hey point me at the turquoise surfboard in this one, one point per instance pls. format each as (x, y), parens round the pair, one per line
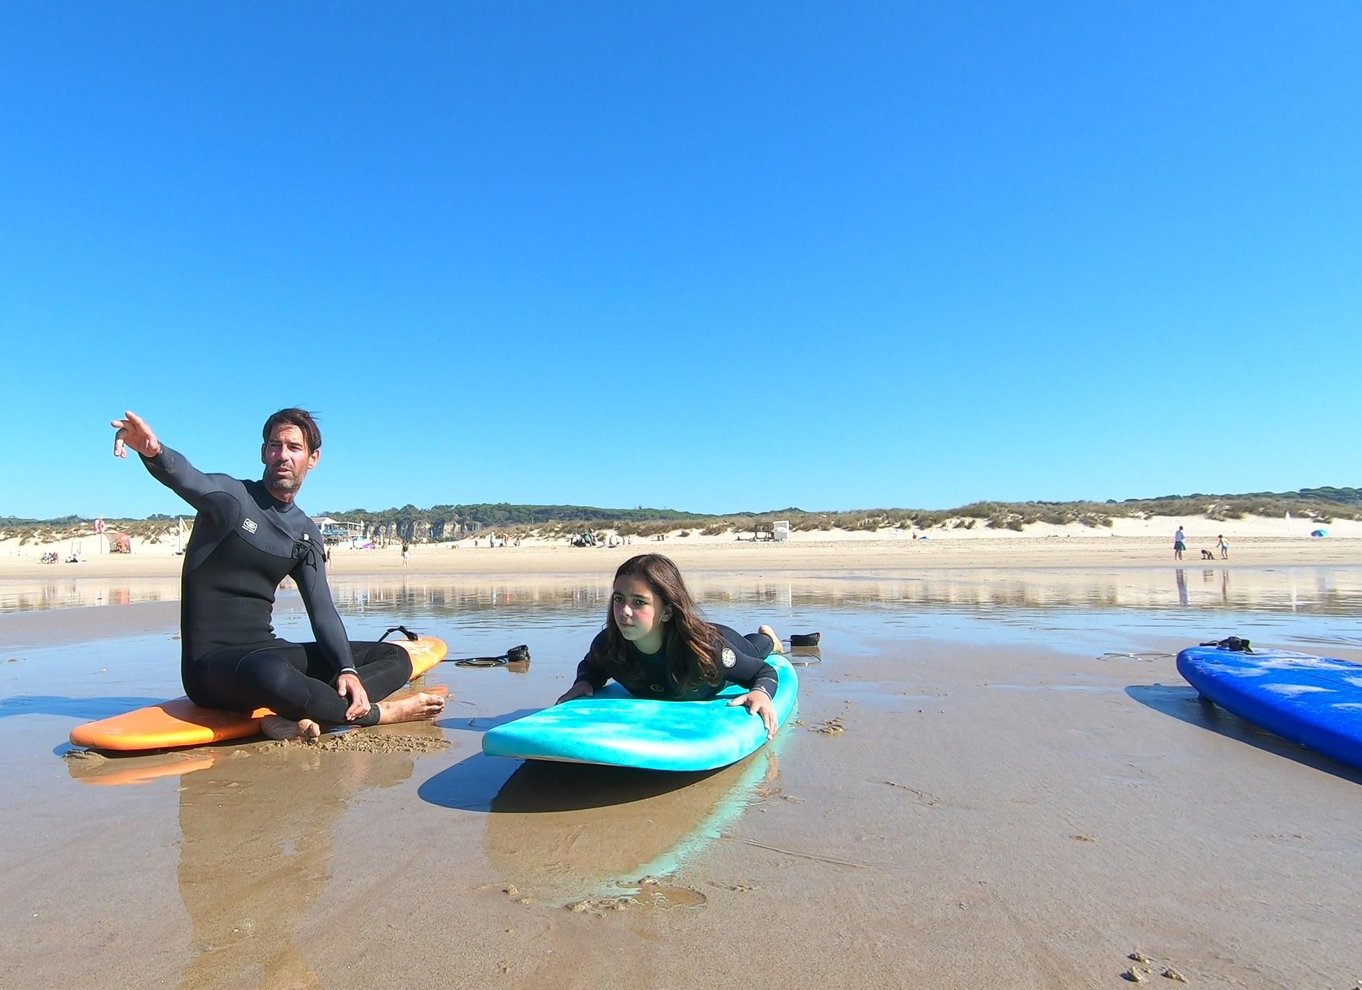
(613, 728)
(1313, 701)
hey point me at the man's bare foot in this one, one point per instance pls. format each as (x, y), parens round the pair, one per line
(414, 708)
(278, 727)
(770, 633)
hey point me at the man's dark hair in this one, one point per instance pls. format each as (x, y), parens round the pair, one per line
(300, 418)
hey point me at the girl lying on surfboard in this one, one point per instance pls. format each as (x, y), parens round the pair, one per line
(657, 646)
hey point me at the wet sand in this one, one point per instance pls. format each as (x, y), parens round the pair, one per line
(940, 813)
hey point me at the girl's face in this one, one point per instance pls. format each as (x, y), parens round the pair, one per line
(639, 614)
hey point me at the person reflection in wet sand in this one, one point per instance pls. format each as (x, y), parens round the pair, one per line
(252, 867)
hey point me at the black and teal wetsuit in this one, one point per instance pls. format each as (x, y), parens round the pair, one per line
(742, 659)
(245, 542)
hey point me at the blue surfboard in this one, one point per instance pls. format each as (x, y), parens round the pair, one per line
(1315, 702)
(614, 728)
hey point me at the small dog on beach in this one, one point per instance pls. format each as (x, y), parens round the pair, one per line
(1207, 555)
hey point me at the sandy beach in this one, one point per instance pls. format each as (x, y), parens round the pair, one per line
(995, 777)
(1254, 541)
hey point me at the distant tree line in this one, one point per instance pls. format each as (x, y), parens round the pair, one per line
(452, 522)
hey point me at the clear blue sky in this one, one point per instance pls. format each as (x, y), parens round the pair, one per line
(708, 256)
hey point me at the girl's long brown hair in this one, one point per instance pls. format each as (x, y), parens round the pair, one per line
(690, 643)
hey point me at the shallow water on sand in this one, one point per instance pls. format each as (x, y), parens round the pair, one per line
(76, 592)
(1070, 611)
(1307, 608)
(588, 836)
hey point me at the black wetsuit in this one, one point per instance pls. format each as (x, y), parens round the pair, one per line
(742, 660)
(245, 542)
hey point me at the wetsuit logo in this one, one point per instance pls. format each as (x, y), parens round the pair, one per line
(728, 658)
(249, 525)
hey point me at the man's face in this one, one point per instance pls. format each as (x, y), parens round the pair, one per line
(287, 461)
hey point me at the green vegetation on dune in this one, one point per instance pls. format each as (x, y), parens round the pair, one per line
(450, 522)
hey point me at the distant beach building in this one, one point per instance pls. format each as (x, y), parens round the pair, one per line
(780, 530)
(338, 530)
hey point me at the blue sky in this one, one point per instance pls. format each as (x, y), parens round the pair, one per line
(708, 256)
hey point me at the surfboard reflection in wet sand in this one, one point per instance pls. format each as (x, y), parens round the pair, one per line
(562, 832)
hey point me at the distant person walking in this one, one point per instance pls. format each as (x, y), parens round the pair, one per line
(406, 553)
(1224, 547)
(1179, 543)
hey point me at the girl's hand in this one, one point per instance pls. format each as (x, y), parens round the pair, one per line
(579, 690)
(757, 703)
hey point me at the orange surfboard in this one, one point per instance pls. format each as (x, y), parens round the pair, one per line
(173, 724)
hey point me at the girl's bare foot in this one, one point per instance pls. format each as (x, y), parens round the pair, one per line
(422, 705)
(770, 634)
(278, 727)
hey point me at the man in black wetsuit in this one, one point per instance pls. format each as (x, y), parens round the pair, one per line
(248, 536)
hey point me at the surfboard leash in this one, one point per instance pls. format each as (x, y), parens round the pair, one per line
(516, 654)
